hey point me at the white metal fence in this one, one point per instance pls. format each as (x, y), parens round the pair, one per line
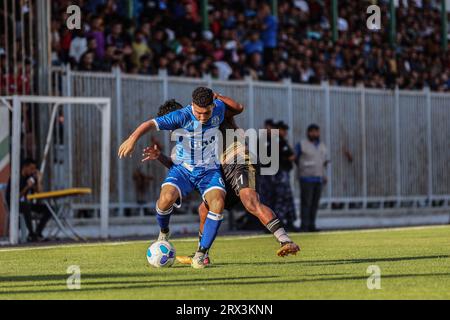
(400, 140)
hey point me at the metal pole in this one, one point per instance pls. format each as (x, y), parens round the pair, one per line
(165, 79)
(429, 146)
(364, 143)
(444, 25)
(334, 20)
(44, 46)
(397, 146)
(328, 134)
(251, 103)
(118, 74)
(105, 170)
(392, 24)
(22, 48)
(290, 101)
(49, 138)
(14, 45)
(69, 130)
(15, 172)
(31, 48)
(5, 7)
(204, 12)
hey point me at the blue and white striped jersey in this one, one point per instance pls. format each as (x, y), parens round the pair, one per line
(196, 143)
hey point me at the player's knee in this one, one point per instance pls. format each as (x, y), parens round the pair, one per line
(216, 204)
(167, 199)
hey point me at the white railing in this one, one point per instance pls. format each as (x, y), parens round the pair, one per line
(399, 139)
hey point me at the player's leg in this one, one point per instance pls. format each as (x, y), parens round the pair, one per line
(243, 180)
(176, 186)
(164, 208)
(250, 200)
(212, 187)
(216, 202)
(203, 214)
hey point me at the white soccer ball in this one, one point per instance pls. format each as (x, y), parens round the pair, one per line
(161, 254)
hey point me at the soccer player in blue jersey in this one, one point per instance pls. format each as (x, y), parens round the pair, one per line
(197, 165)
(240, 181)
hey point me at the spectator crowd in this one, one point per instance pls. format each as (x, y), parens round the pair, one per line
(245, 39)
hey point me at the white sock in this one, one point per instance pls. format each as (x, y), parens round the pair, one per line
(282, 236)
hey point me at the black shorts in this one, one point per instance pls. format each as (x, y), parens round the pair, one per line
(238, 177)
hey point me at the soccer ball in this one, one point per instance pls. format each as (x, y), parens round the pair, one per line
(161, 254)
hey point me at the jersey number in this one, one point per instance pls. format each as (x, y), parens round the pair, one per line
(241, 179)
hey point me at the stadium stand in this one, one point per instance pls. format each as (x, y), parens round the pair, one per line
(142, 37)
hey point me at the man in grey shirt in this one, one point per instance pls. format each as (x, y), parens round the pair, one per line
(312, 160)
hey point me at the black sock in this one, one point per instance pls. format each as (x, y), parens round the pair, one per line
(274, 225)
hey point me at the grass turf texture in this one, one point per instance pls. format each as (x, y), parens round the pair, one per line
(415, 264)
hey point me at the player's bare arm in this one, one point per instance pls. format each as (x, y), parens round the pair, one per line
(154, 153)
(127, 147)
(233, 107)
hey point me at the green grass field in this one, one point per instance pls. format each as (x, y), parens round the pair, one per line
(415, 264)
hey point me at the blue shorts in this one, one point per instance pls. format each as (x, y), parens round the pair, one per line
(186, 181)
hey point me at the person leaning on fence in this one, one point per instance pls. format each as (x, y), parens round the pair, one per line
(281, 189)
(30, 182)
(312, 160)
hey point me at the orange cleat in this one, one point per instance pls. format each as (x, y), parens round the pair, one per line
(288, 249)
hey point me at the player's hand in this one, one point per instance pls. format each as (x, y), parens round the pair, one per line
(38, 175)
(151, 153)
(31, 182)
(127, 148)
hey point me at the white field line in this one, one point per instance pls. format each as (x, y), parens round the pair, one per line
(226, 238)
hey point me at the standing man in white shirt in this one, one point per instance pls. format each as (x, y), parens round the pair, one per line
(312, 160)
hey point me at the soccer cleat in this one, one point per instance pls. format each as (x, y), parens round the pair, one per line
(164, 236)
(198, 261)
(188, 259)
(287, 249)
(185, 259)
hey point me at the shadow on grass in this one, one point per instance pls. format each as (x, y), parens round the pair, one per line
(63, 277)
(334, 262)
(61, 281)
(196, 283)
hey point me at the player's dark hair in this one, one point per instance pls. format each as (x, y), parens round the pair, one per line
(203, 97)
(169, 107)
